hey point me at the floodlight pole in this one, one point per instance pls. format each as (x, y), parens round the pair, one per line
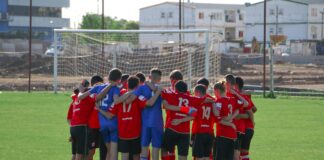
(264, 46)
(30, 43)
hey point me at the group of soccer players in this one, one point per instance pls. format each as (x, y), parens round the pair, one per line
(125, 115)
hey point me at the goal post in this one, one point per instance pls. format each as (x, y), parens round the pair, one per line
(80, 54)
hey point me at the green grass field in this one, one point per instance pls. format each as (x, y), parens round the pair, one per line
(33, 126)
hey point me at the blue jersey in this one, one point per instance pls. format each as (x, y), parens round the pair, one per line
(105, 104)
(152, 115)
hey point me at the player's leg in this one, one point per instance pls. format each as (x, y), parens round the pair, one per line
(136, 148)
(73, 142)
(237, 146)
(246, 144)
(197, 147)
(113, 145)
(168, 144)
(102, 148)
(105, 134)
(208, 145)
(124, 147)
(81, 140)
(145, 141)
(228, 151)
(93, 142)
(183, 146)
(157, 136)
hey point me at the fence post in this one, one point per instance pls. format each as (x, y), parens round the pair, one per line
(207, 54)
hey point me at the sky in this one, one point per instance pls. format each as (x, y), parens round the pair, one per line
(126, 9)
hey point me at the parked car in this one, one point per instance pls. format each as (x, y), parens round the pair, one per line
(50, 50)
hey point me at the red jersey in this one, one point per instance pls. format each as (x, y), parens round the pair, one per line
(70, 112)
(204, 120)
(225, 108)
(129, 118)
(82, 110)
(248, 122)
(94, 119)
(179, 99)
(238, 105)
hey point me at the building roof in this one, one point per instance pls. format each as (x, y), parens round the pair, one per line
(305, 2)
(202, 5)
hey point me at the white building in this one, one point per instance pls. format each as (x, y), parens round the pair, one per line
(227, 20)
(315, 19)
(292, 19)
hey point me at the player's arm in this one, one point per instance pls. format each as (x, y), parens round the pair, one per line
(81, 96)
(243, 116)
(245, 102)
(227, 123)
(106, 114)
(119, 99)
(176, 122)
(153, 99)
(216, 110)
(235, 114)
(104, 92)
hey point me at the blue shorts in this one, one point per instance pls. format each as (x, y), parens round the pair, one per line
(152, 134)
(109, 135)
(108, 129)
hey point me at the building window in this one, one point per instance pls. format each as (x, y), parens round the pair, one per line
(241, 17)
(314, 32)
(272, 12)
(230, 16)
(201, 15)
(37, 11)
(281, 12)
(314, 12)
(219, 16)
(241, 34)
(280, 30)
(162, 15)
(271, 30)
(170, 15)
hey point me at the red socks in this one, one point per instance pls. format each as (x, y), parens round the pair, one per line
(245, 156)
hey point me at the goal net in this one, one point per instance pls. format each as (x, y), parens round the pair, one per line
(80, 54)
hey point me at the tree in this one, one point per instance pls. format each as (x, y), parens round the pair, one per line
(93, 21)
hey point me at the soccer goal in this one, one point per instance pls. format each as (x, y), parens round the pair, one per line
(81, 54)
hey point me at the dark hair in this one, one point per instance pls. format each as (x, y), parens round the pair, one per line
(176, 75)
(95, 79)
(203, 81)
(239, 82)
(230, 79)
(140, 76)
(156, 71)
(201, 88)
(124, 77)
(76, 91)
(115, 74)
(133, 82)
(219, 86)
(181, 86)
(85, 83)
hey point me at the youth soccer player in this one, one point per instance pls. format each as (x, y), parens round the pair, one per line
(240, 104)
(249, 120)
(74, 97)
(202, 127)
(107, 94)
(152, 120)
(177, 132)
(81, 113)
(225, 128)
(95, 138)
(129, 121)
